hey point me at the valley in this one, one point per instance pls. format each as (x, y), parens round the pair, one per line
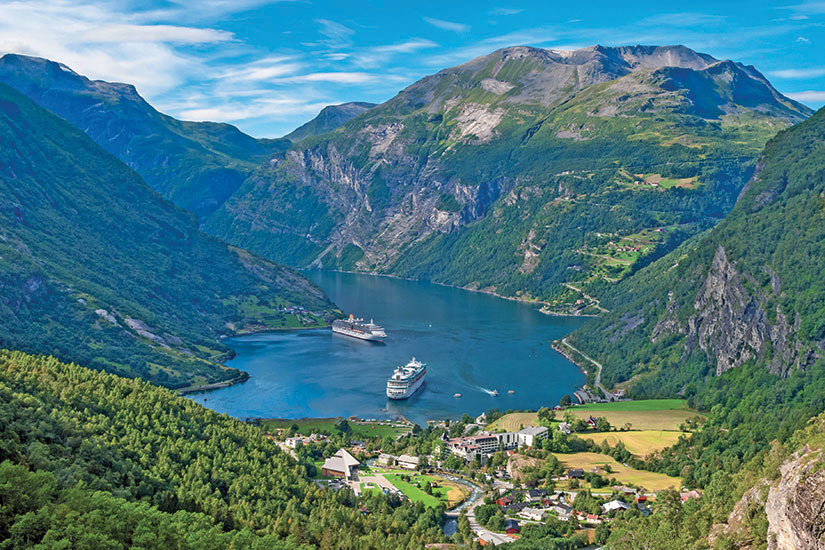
(609, 259)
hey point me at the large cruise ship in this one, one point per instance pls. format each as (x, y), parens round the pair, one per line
(406, 380)
(357, 328)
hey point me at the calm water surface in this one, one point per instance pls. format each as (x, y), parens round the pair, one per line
(473, 343)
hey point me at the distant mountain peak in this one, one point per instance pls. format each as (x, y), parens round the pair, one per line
(330, 118)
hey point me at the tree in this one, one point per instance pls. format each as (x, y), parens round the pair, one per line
(566, 400)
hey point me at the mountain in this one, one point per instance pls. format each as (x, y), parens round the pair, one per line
(196, 165)
(92, 460)
(98, 268)
(526, 172)
(330, 118)
(748, 293)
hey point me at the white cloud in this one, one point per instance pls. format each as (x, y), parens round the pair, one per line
(338, 35)
(812, 96)
(505, 11)
(799, 73)
(447, 25)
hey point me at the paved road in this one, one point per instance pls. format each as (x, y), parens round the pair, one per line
(598, 368)
(481, 531)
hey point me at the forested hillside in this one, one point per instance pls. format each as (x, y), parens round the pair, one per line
(92, 460)
(99, 269)
(527, 172)
(748, 292)
(196, 165)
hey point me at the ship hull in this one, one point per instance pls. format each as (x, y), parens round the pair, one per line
(355, 334)
(414, 387)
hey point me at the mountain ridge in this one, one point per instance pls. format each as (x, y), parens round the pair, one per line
(434, 167)
(197, 165)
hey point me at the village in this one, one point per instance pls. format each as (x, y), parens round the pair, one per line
(502, 474)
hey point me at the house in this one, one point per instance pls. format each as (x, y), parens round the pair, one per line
(615, 505)
(565, 428)
(563, 511)
(528, 436)
(408, 462)
(516, 507)
(341, 464)
(591, 422)
(536, 494)
(504, 501)
(511, 527)
(558, 408)
(575, 473)
(385, 459)
(295, 442)
(481, 419)
(686, 496)
(592, 518)
(534, 514)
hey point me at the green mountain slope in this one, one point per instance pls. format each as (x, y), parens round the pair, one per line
(92, 460)
(196, 165)
(97, 268)
(330, 118)
(748, 292)
(520, 172)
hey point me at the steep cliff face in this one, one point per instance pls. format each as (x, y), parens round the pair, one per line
(574, 152)
(748, 291)
(795, 506)
(731, 325)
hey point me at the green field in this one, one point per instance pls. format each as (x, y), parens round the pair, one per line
(640, 405)
(440, 494)
(307, 426)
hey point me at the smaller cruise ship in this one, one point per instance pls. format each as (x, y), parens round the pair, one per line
(357, 328)
(406, 380)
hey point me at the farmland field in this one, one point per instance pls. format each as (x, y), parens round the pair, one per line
(651, 481)
(648, 414)
(640, 443)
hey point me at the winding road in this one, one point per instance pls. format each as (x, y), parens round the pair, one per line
(598, 367)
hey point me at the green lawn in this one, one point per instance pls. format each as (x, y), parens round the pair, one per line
(640, 405)
(415, 494)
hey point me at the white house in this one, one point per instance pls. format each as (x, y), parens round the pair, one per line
(408, 462)
(535, 514)
(615, 505)
(527, 437)
(385, 459)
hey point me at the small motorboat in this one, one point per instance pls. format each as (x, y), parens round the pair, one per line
(511, 392)
(456, 395)
(494, 393)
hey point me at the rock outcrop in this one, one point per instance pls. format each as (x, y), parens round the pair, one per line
(795, 506)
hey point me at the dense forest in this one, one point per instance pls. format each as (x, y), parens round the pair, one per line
(91, 460)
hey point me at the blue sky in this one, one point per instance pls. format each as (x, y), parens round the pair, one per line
(269, 66)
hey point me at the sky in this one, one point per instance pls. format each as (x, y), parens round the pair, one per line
(268, 66)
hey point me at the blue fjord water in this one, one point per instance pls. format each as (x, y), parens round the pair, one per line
(473, 343)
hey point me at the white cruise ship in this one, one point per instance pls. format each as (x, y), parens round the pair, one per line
(357, 328)
(406, 380)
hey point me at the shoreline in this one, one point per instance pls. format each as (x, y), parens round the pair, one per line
(536, 301)
(215, 385)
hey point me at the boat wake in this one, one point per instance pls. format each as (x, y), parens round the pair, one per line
(489, 392)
